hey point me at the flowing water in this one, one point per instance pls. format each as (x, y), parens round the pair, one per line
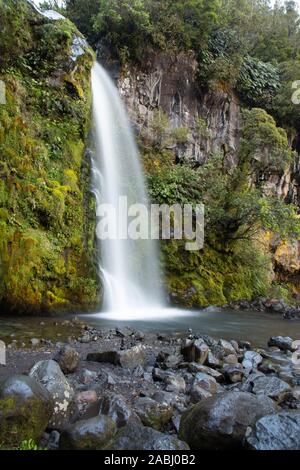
(129, 268)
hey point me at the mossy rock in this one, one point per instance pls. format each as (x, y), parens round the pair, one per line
(25, 410)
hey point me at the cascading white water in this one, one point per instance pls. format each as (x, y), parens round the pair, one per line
(129, 267)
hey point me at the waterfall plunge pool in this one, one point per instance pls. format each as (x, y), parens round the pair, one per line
(256, 327)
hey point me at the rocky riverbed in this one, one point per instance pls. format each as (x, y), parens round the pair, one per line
(122, 389)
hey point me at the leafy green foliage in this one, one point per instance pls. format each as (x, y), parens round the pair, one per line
(258, 82)
(29, 445)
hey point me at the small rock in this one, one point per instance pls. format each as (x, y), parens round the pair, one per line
(68, 359)
(251, 360)
(194, 367)
(233, 373)
(88, 376)
(35, 341)
(152, 413)
(128, 358)
(89, 434)
(227, 347)
(88, 396)
(230, 359)
(116, 408)
(284, 343)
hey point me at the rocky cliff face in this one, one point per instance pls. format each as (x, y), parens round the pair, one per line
(169, 83)
(213, 121)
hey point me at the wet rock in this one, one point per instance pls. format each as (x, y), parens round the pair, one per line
(88, 434)
(137, 437)
(230, 359)
(25, 410)
(195, 351)
(194, 367)
(220, 422)
(244, 345)
(251, 360)
(115, 406)
(152, 413)
(68, 359)
(227, 347)
(128, 358)
(284, 343)
(124, 332)
(204, 386)
(212, 360)
(88, 396)
(175, 383)
(233, 373)
(270, 386)
(168, 361)
(53, 441)
(279, 431)
(50, 375)
(88, 376)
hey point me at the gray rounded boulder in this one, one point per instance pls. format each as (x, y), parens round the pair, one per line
(220, 422)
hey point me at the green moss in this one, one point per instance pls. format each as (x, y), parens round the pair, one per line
(20, 423)
(46, 210)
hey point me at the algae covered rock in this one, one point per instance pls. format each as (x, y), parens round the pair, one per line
(152, 413)
(25, 410)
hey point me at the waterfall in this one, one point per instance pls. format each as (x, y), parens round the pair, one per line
(129, 268)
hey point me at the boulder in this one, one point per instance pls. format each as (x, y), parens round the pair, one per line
(279, 431)
(50, 375)
(152, 413)
(68, 359)
(282, 342)
(88, 434)
(128, 358)
(137, 437)
(116, 408)
(25, 410)
(220, 422)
